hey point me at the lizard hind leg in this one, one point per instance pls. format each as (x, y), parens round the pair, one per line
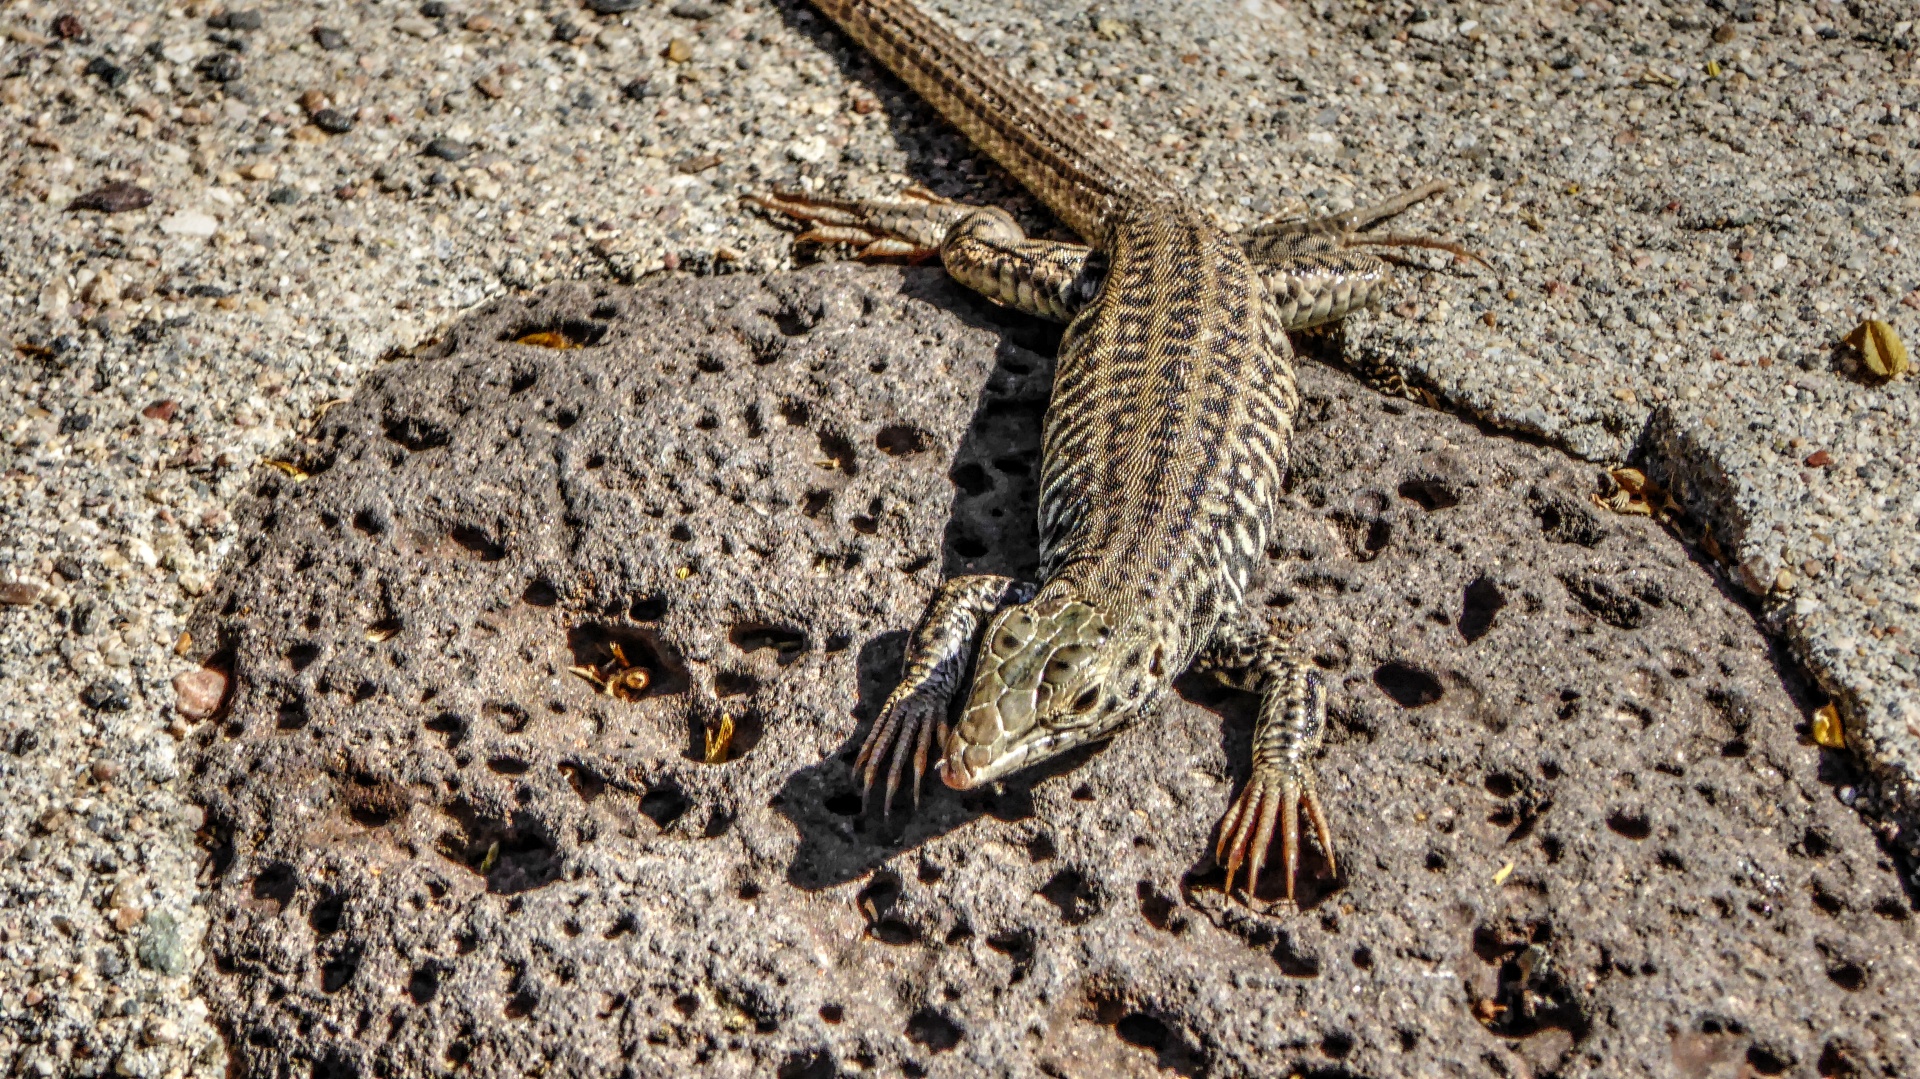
(1281, 787)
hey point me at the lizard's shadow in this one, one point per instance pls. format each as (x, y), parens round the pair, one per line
(992, 527)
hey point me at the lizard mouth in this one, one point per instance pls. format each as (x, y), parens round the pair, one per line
(967, 766)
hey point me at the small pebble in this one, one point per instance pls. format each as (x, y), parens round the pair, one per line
(679, 50)
(19, 593)
(237, 20)
(313, 101)
(160, 946)
(447, 149)
(220, 67)
(68, 27)
(107, 71)
(114, 198)
(106, 695)
(283, 196)
(614, 7)
(329, 38)
(200, 692)
(333, 121)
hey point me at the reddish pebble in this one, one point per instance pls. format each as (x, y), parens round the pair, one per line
(1818, 459)
(161, 410)
(125, 918)
(201, 692)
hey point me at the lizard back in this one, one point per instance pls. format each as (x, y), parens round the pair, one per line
(1165, 441)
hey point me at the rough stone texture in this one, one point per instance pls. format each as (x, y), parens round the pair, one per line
(162, 364)
(1582, 830)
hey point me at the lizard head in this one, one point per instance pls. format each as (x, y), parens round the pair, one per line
(1052, 674)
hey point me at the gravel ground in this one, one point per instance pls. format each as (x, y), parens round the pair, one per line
(1685, 209)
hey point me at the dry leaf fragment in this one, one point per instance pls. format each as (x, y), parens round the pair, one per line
(1500, 875)
(493, 855)
(292, 470)
(1885, 354)
(548, 339)
(720, 739)
(1826, 728)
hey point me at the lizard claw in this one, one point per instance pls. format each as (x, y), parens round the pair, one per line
(1247, 830)
(905, 731)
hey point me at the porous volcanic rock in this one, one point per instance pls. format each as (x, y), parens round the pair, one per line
(1581, 828)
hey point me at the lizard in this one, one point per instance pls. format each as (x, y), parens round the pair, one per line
(1164, 446)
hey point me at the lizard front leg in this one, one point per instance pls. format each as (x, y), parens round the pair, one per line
(981, 246)
(914, 718)
(1293, 721)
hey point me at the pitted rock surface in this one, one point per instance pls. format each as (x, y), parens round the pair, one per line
(1581, 828)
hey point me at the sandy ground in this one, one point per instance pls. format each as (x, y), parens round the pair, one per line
(1685, 212)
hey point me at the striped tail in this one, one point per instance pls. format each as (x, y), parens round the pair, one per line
(1081, 177)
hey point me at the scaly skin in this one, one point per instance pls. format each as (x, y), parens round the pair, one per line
(1164, 444)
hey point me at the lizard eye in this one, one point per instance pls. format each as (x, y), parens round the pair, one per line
(1085, 702)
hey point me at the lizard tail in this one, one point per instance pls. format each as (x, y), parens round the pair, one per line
(1082, 177)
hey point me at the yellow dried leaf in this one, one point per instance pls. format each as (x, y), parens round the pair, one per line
(288, 467)
(548, 339)
(377, 634)
(1826, 728)
(1500, 875)
(683, 572)
(184, 645)
(1713, 69)
(1885, 354)
(628, 685)
(493, 855)
(720, 739)
(1631, 480)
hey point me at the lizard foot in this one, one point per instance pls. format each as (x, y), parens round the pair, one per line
(912, 226)
(913, 723)
(1279, 790)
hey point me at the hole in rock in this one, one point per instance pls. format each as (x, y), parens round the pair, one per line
(627, 662)
(326, 915)
(832, 1013)
(664, 805)
(1632, 825)
(274, 885)
(477, 543)
(564, 334)
(513, 856)
(796, 413)
(417, 434)
(837, 454)
(972, 479)
(901, 440)
(541, 593)
(787, 643)
(724, 737)
(845, 804)
(1073, 894)
(1409, 686)
(1479, 607)
(302, 655)
(424, 985)
(1849, 976)
(291, 715)
(338, 972)
(369, 522)
(1430, 493)
(935, 1031)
